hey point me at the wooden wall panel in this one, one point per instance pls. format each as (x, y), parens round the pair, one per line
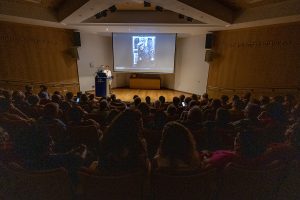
(36, 55)
(262, 60)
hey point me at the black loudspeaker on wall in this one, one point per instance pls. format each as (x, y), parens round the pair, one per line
(209, 41)
(76, 39)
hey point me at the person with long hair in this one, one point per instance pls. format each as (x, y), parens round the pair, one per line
(177, 150)
(123, 148)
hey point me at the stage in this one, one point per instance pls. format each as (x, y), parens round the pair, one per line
(127, 94)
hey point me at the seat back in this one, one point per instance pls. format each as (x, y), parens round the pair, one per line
(87, 135)
(34, 185)
(289, 188)
(153, 138)
(125, 187)
(243, 183)
(181, 187)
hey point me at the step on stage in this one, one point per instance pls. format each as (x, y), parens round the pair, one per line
(127, 94)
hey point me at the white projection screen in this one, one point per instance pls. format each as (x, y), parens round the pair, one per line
(144, 52)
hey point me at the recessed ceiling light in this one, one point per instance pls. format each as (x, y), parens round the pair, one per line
(106, 29)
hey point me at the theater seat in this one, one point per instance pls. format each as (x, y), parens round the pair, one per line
(153, 138)
(249, 184)
(124, 187)
(182, 187)
(289, 189)
(20, 184)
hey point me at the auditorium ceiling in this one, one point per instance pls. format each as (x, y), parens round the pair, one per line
(180, 16)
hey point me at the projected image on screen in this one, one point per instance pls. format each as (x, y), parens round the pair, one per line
(144, 52)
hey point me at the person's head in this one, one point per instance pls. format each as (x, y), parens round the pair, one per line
(57, 92)
(157, 104)
(124, 132)
(176, 101)
(144, 109)
(18, 96)
(7, 94)
(84, 98)
(113, 97)
(295, 112)
(162, 99)
(238, 105)
(182, 97)
(293, 135)
(195, 114)
(43, 95)
(135, 96)
(137, 101)
(216, 103)
(275, 111)
(148, 100)
(195, 97)
(289, 98)
(177, 143)
(160, 119)
(65, 106)
(79, 94)
(204, 96)
(103, 105)
(76, 114)
(50, 110)
(4, 104)
(29, 88)
(278, 99)
(252, 111)
(224, 99)
(171, 109)
(192, 103)
(255, 101)
(69, 96)
(249, 143)
(187, 100)
(222, 116)
(264, 100)
(43, 88)
(56, 99)
(33, 100)
(91, 97)
(235, 98)
(247, 96)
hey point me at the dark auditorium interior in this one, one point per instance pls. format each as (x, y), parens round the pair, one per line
(149, 100)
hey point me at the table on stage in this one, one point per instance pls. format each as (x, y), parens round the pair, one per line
(144, 83)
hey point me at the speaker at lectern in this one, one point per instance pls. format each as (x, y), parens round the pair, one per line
(101, 84)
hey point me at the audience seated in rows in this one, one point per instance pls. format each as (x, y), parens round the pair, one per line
(187, 134)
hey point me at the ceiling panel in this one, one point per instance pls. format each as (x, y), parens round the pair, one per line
(43, 3)
(245, 4)
(127, 6)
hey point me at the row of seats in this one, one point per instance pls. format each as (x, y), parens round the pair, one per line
(234, 183)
